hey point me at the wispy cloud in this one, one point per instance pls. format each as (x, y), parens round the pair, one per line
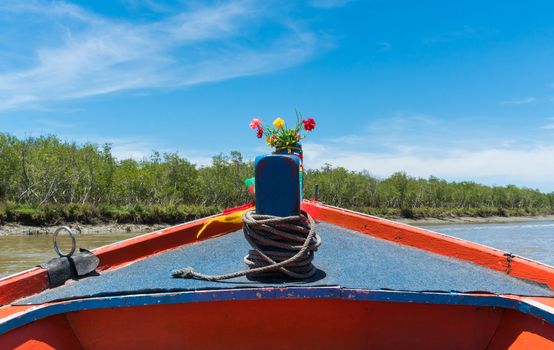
(384, 46)
(130, 148)
(390, 131)
(448, 36)
(83, 54)
(328, 3)
(140, 148)
(519, 101)
(350, 139)
(55, 123)
(522, 166)
(549, 126)
(454, 148)
(133, 147)
(152, 5)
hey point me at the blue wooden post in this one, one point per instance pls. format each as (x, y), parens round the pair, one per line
(278, 189)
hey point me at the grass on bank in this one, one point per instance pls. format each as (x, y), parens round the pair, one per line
(55, 214)
(422, 213)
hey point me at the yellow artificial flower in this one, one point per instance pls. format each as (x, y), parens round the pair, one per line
(279, 123)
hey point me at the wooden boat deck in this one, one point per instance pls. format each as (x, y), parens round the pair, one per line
(347, 259)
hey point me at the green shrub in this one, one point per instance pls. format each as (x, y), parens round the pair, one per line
(47, 181)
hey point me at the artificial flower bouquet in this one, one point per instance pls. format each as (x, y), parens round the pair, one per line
(282, 138)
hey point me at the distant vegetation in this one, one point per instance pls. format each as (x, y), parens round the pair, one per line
(44, 180)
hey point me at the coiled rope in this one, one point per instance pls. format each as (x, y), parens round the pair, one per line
(280, 245)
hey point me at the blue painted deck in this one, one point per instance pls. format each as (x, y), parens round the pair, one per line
(346, 258)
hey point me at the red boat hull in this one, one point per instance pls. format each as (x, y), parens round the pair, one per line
(288, 323)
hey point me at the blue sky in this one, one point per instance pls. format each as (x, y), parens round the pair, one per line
(460, 90)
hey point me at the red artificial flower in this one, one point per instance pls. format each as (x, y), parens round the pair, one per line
(309, 124)
(260, 132)
(255, 123)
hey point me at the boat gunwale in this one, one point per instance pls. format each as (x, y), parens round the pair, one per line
(125, 252)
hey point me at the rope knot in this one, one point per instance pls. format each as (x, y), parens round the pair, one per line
(187, 272)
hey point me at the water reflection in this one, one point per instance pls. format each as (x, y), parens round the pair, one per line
(19, 253)
(534, 240)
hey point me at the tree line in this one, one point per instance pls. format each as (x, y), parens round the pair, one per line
(45, 180)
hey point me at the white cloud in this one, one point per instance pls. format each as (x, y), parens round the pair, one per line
(457, 149)
(445, 37)
(141, 148)
(328, 3)
(520, 101)
(56, 123)
(82, 54)
(549, 126)
(136, 148)
(384, 46)
(522, 166)
(350, 139)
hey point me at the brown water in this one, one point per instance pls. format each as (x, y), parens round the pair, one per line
(18, 253)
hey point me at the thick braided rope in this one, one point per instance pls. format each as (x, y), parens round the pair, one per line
(283, 245)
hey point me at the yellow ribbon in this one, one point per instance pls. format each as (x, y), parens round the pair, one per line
(232, 218)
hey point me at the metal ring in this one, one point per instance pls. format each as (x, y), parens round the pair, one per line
(73, 241)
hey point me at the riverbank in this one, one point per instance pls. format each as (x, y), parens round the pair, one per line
(103, 228)
(115, 228)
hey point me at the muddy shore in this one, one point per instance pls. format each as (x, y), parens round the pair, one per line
(17, 229)
(473, 220)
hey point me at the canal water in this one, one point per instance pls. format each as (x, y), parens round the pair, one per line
(531, 239)
(20, 252)
(534, 239)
